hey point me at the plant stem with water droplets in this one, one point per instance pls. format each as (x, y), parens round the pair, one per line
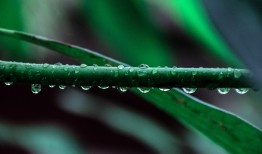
(121, 76)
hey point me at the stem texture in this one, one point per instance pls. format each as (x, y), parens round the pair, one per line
(121, 76)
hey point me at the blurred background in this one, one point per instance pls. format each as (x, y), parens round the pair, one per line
(182, 33)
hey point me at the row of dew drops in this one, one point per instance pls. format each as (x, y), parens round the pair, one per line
(36, 88)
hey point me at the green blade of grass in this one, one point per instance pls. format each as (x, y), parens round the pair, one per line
(227, 130)
(195, 21)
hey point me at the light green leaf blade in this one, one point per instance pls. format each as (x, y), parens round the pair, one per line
(191, 14)
(227, 130)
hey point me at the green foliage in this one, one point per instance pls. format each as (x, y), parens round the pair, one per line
(224, 128)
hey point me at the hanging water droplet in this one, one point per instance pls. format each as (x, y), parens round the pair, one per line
(8, 83)
(164, 89)
(143, 66)
(189, 90)
(143, 89)
(237, 74)
(103, 87)
(242, 90)
(86, 87)
(45, 65)
(51, 86)
(83, 65)
(62, 86)
(120, 67)
(223, 90)
(36, 88)
(122, 89)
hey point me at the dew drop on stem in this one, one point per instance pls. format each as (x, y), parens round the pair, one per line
(36, 88)
(164, 89)
(8, 83)
(189, 90)
(103, 87)
(62, 86)
(242, 90)
(122, 89)
(86, 87)
(83, 65)
(144, 89)
(51, 86)
(120, 67)
(223, 90)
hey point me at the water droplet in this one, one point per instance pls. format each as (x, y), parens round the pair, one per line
(143, 89)
(51, 86)
(122, 89)
(189, 90)
(229, 69)
(58, 63)
(62, 86)
(242, 90)
(45, 65)
(103, 87)
(154, 71)
(83, 65)
(120, 67)
(173, 71)
(86, 87)
(143, 66)
(131, 70)
(108, 65)
(36, 88)
(95, 67)
(237, 74)
(164, 89)
(8, 83)
(223, 90)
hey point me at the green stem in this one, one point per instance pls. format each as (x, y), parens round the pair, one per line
(124, 76)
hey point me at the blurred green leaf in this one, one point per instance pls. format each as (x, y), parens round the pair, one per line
(125, 26)
(11, 17)
(40, 139)
(195, 20)
(134, 124)
(224, 128)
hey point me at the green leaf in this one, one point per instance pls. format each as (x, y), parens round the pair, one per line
(195, 21)
(11, 18)
(128, 29)
(227, 130)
